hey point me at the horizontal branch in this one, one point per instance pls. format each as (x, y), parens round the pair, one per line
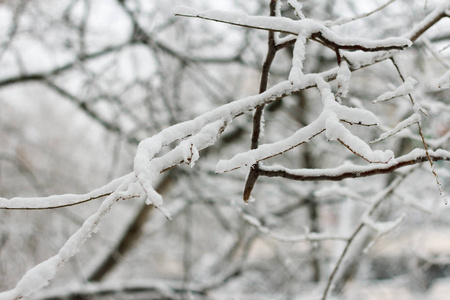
(58, 201)
(314, 29)
(354, 171)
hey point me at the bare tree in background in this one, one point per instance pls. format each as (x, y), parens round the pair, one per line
(300, 149)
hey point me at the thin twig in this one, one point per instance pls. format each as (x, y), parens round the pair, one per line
(361, 16)
(419, 125)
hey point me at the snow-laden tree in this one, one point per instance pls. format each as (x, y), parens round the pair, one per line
(316, 178)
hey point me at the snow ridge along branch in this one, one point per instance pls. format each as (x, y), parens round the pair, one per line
(285, 25)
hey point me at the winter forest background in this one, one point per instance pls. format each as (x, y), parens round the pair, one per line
(290, 149)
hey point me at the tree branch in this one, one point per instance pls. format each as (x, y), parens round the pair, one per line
(354, 171)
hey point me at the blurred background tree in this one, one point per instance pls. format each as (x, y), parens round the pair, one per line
(82, 82)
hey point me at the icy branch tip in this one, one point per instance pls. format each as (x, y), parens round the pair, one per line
(182, 10)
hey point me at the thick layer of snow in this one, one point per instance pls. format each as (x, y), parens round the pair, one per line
(299, 53)
(343, 79)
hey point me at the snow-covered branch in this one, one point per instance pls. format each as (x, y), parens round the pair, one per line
(40, 275)
(313, 29)
(183, 142)
(57, 201)
(355, 171)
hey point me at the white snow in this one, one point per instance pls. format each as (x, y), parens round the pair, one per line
(383, 228)
(265, 151)
(40, 275)
(404, 89)
(296, 72)
(337, 131)
(335, 190)
(411, 120)
(343, 79)
(295, 27)
(61, 200)
(297, 8)
(328, 120)
(359, 169)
